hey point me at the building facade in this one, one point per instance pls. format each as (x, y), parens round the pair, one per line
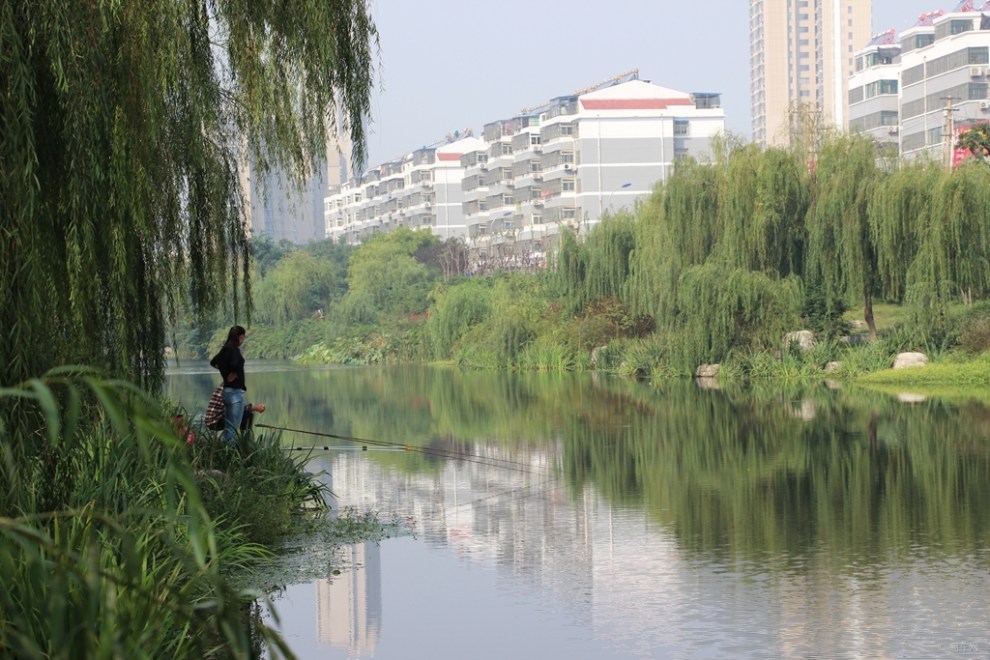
(801, 56)
(915, 92)
(421, 190)
(874, 96)
(945, 70)
(567, 162)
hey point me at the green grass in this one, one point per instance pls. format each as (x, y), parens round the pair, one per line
(887, 316)
(954, 370)
(115, 543)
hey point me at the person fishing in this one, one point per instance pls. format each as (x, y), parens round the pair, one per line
(230, 363)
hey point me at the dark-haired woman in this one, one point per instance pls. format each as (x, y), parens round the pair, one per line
(230, 362)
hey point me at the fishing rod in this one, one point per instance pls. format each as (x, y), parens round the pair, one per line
(428, 451)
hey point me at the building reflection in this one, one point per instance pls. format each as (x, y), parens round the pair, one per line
(349, 607)
(613, 570)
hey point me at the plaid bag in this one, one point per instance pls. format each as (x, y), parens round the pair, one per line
(214, 411)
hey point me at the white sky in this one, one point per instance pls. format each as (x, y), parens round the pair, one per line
(453, 64)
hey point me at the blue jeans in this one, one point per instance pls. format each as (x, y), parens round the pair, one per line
(233, 410)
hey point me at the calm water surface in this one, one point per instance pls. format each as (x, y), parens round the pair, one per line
(575, 516)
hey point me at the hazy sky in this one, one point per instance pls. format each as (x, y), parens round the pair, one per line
(449, 64)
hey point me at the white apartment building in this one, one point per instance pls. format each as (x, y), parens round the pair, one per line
(945, 70)
(917, 91)
(422, 190)
(874, 91)
(567, 162)
(577, 158)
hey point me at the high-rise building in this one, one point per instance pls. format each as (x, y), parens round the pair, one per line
(284, 210)
(801, 55)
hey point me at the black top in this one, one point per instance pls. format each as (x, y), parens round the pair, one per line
(230, 361)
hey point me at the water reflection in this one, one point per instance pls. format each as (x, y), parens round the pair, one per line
(349, 607)
(600, 518)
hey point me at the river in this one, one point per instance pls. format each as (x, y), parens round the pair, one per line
(586, 516)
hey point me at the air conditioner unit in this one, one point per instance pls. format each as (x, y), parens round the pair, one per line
(893, 130)
(977, 71)
(984, 105)
(567, 166)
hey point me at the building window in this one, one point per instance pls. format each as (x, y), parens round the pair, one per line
(913, 75)
(958, 27)
(681, 126)
(567, 185)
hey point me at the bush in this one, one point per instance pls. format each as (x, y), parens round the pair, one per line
(973, 329)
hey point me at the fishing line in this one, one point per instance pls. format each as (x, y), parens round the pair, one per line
(532, 487)
(439, 453)
(518, 491)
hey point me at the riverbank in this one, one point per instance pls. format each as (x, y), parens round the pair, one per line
(118, 535)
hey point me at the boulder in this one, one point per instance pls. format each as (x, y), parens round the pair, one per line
(706, 371)
(804, 338)
(907, 360)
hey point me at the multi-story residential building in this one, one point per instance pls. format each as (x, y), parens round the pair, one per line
(566, 162)
(579, 157)
(801, 54)
(873, 91)
(422, 190)
(945, 71)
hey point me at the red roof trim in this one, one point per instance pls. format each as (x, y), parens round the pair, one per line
(632, 104)
(446, 155)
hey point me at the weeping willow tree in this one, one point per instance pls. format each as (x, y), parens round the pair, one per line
(678, 228)
(952, 262)
(765, 200)
(124, 127)
(841, 254)
(598, 268)
(723, 309)
(899, 212)
(571, 265)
